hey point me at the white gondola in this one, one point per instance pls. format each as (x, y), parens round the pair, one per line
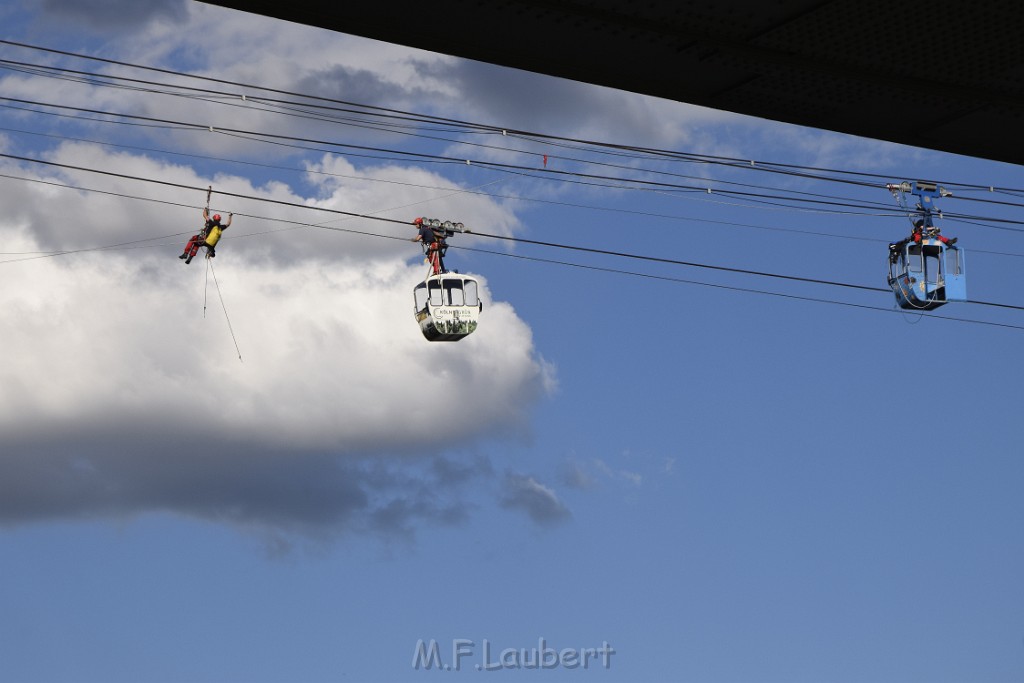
(448, 306)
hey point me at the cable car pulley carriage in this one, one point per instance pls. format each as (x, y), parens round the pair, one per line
(447, 304)
(925, 270)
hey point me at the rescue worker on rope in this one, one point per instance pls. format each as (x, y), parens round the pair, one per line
(207, 237)
(434, 245)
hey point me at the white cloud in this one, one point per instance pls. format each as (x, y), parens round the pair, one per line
(110, 366)
(332, 354)
(109, 361)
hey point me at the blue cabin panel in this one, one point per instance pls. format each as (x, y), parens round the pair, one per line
(928, 275)
(956, 275)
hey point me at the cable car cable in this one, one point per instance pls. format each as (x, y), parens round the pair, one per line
(433, 187)
(715, 267)
(732, 161)
(464, 191)
(492, 146)
(445, 159)
(499, 237)
(450, 140)
(734, 288)
(379, 127)
(424, 156)
(491, 164)
(504, 196)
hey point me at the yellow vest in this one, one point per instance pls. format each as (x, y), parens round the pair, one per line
(213, 236)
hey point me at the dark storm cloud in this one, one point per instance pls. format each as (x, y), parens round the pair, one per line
(311, 494)
(519, 96)
(115, 15)
(521, 492)
(491, 94)
(355, 85)
(524, 100)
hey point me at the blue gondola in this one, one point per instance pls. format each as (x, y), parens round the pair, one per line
(925, 270)
(447, 306)
(928, 275)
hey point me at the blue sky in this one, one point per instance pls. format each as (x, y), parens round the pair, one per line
(720, 484)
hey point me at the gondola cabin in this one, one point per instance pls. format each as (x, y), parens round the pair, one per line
(927, 275)
(448, 306)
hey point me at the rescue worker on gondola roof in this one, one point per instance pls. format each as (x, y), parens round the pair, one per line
(433, 241)
(916, 236)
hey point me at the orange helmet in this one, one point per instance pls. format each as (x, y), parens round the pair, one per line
(418, 221)
(216, 218)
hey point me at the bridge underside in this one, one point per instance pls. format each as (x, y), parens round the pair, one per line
(946, 75)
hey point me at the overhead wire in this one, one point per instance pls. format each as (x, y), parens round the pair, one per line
(221, 95)
(517, 197)
(201, 94)
(711, 184)
(735, 162)
(538, 137)
(591, 250)
(674, 187)
(604, 269)
(733, 288)
(749, 196)
(449, 140)
(520, 198)
(572, 176)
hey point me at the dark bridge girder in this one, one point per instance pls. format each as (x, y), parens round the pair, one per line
(946, 75)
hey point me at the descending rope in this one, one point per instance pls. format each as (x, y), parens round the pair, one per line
(223, 306)
(206, 285)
